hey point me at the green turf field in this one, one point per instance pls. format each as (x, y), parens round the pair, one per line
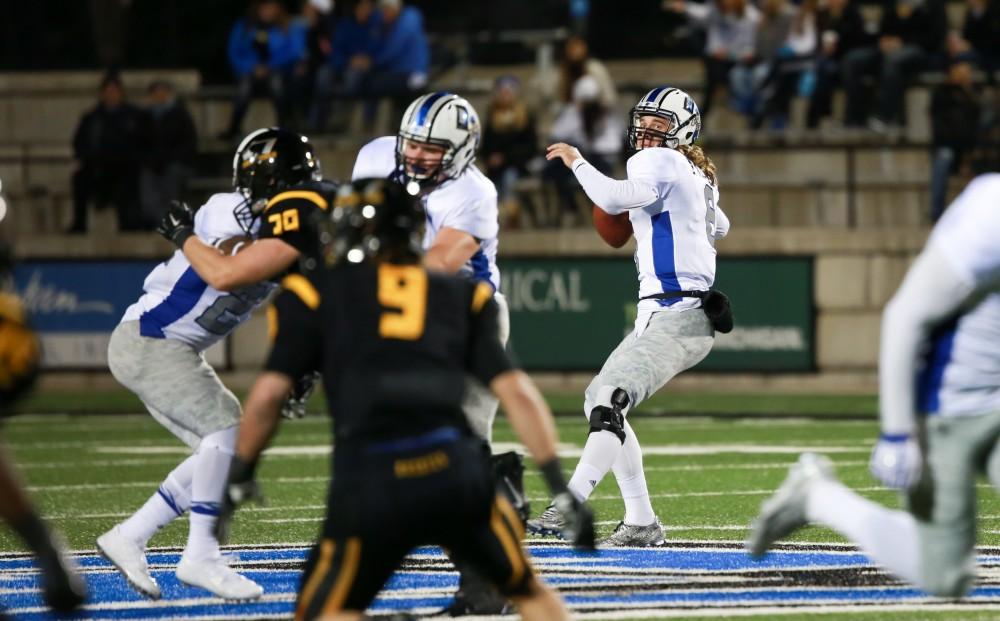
(707, 474)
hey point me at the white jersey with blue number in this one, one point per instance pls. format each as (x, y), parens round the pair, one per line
(467, 203)
(675, 235)
(178, 304)
(961, 371)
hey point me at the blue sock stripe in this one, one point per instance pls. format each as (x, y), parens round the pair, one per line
(169, 499)
(205, 508)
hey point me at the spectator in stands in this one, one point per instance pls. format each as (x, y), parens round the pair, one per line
(791, 68)
(595, 130)
(350, 56)
(911, 32)
(400, 63)
(769, 49)
(265, 47)
(982, 31)
(731, 33)
(106, 150)
(840, 29)
(577, 63)
(317, 20)
(169, 145)
(955, 123)
(509, 143)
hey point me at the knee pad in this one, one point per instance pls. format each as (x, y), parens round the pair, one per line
(611, 417)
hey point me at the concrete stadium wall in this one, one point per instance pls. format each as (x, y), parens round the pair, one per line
(855, 273)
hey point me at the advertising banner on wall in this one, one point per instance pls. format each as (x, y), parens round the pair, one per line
(570, 313)
(75, 305)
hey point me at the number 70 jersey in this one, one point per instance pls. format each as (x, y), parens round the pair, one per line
(675, 235)
(178, 304)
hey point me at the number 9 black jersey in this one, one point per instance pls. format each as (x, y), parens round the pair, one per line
(393, 342)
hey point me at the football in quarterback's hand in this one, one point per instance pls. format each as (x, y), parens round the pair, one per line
(614, 230)
(232, 245)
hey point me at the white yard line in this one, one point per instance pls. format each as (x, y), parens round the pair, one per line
(565, 450)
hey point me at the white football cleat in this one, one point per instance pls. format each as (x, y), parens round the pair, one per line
(215, 576)
(785, 511)
(130, 559)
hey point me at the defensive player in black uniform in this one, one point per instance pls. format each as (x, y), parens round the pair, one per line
(62, 587)
(279, 174)
(394, 343)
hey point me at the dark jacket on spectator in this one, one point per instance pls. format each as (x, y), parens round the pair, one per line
(284, 46)
(512, 133)
(109, 138)
(849, 26)
(169, 137)
(926, 26)
(350, 38)
(402, 46)
(982, 30)
(955, 113)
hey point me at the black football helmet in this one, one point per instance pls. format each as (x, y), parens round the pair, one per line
(268, 161)
(373, 219)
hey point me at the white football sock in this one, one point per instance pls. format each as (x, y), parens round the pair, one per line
(886, 536)
(632, 482)
(214, 454)
(167, 504)
(600, 451)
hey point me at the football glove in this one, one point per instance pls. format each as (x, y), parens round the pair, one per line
(578, 521)
(241, 488)
(178, 223)
(295, 405)
(897, 461)
(577, 518)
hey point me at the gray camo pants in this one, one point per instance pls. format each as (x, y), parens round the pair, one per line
(180, 389)
(668, 343)
(479, 405)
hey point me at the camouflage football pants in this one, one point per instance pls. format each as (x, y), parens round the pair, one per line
(659, 348)
(180, 389)
(479, 405)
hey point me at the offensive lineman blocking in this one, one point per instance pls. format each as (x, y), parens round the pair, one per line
(433, 156)
(671, 197)
(939, 405)
(157, 353)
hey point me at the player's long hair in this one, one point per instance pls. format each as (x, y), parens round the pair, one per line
(696, 155)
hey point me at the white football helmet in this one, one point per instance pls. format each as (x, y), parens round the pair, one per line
(672, 104)
(443, 119)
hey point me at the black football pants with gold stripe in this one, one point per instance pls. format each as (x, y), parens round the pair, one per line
(383, 506)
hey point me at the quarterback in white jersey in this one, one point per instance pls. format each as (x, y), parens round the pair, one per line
(433, 156)
(939, 405)
(157, 353)
(672, 201)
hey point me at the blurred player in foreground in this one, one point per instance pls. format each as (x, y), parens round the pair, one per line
(433, 155)
(939, 405)
(671, 200)
(157, 353)
(394, 342)
(62, 589)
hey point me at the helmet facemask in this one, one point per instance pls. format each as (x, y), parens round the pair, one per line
(637, 134)
(673, 106)
(267, 162)
(440, 119)
(417, 179)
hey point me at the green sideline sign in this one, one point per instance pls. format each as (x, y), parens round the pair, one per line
(570, 313)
